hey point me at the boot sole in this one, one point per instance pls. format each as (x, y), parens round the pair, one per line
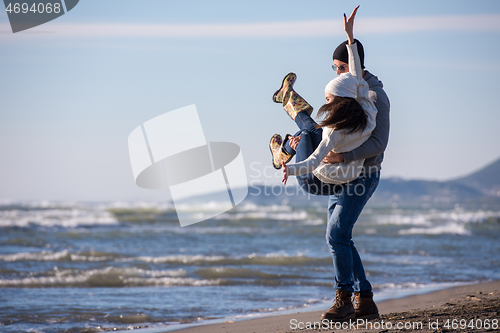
(272, 155)
(340, 320)
(282, 84)
(283, 148)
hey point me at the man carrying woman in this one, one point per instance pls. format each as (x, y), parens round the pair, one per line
(341, 158)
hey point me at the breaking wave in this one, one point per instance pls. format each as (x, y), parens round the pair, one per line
(90, 256)
(107, 277)
(432, 222)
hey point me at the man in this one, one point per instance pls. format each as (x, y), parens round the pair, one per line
(345, 207)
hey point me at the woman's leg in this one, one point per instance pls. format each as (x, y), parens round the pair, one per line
(305, 122)
(309, 182)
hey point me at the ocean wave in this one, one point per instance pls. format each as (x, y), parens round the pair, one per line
(253, 207)
(138, 206)
(118, 277)
(107, 277)
(272, 259)
(391, 285)
(262, 215)
(208, 207)
(431, 217)
(417, 259)
(66, 218)
(399, 219)
(252, 259)
(61, 256)
(449, 228)
(205, 207)
(433, 222)
(241, 273)
(390, 290)
(6, 204)
(72, 214)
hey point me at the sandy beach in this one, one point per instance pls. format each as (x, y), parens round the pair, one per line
(469, 308)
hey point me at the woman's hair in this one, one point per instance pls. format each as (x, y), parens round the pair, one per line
(343, 113)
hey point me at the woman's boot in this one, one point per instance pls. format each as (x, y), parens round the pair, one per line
(280, 155)
(292, 102)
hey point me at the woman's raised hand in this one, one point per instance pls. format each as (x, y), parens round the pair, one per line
(349, 25)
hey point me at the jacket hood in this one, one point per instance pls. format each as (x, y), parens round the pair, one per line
(372, 80)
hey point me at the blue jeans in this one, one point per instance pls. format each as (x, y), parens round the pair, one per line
(309, 141)
(344, 208)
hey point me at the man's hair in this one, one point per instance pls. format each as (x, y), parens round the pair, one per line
(341, 54)
(343, 113)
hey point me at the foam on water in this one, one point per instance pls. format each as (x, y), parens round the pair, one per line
(107, 277)
(117, 277)
(399, 217)
(252, 259)
(283, 216)
(73, 215)
(64, 255)
(281, 259)
(448, 228)
(66, 218)
(456, 222)
(241, 273)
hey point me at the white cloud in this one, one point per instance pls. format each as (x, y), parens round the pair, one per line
(365, 26)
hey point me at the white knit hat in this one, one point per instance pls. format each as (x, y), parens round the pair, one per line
(345, 85)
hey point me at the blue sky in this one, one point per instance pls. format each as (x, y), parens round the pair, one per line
(73, 89)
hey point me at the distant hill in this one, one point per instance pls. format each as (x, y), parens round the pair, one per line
(479, 188)
(486, 180)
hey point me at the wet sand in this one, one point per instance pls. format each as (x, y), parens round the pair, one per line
(469, 308)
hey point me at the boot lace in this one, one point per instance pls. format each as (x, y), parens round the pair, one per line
(337, 302)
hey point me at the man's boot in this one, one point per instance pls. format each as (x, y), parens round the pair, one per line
(342, 309)
(278, 152)
(364, 306)
(292, 102)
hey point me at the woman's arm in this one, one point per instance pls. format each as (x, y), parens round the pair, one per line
(355, 69)
(314, 160)
(354, 61)
(349, 25)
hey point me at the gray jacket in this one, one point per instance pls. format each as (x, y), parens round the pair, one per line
(373, 149)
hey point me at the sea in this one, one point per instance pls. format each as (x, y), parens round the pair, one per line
(92, 267)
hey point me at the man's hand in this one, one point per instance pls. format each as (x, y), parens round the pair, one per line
(333, 158)
(294, 141)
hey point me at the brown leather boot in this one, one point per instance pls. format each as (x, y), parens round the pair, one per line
(342, 309)
(364, 306)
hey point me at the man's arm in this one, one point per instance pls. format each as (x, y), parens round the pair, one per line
(377, 142)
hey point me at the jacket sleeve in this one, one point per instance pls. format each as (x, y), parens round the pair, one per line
(354, 61)
(314, 160)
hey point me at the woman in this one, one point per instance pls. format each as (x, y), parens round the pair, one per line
(344, 128)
